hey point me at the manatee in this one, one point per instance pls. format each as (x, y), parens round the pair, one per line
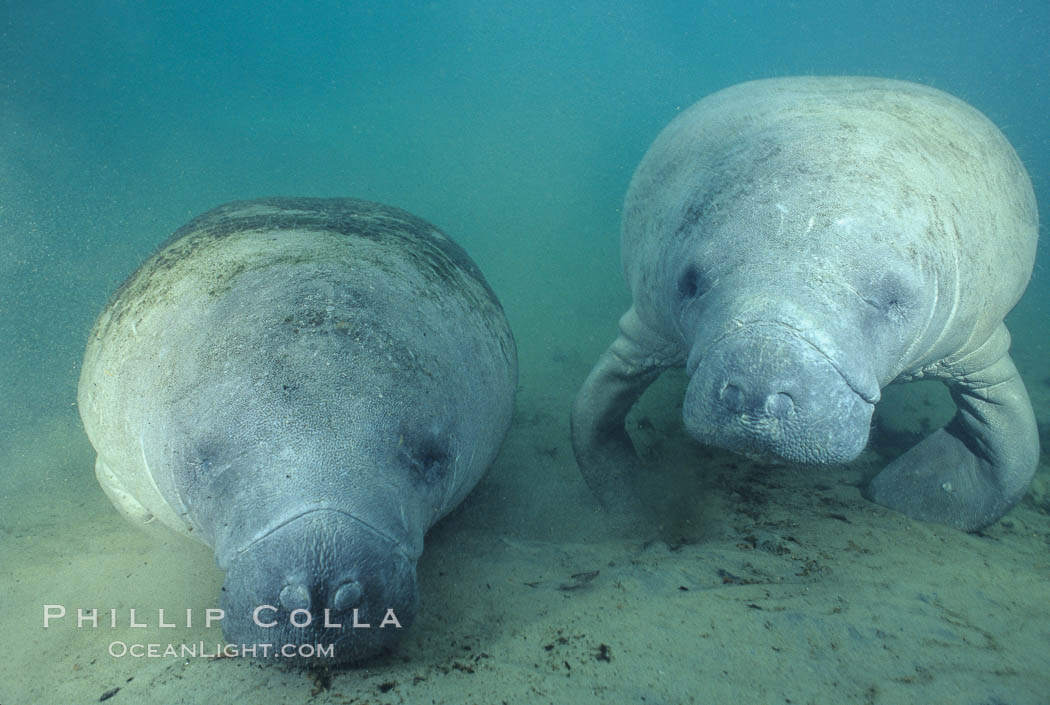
(306, 386)
(799, 243)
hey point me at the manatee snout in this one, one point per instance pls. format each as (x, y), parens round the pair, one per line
(324, 579)
(765, 389)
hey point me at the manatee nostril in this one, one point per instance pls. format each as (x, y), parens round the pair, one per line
(733, 397)
(295, 596)
(780, 405)
(347, 596)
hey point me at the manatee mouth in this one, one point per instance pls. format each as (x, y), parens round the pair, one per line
(763, 388)
(308, 580)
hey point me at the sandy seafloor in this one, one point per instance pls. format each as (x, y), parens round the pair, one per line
(515, 127)
(767, 584)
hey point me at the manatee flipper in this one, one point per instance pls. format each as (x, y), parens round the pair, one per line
(119, 495)
(604, 450)
(972, 471)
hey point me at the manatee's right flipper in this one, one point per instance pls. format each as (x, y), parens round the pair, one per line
(119, 495)
(604, 451)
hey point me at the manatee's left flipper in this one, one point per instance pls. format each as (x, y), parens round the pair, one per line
(972, 471)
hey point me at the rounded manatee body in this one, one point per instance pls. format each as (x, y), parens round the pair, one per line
(799, 243)
(305, 385)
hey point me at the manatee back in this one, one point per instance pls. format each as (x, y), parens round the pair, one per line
(926, 173)
(310, 331)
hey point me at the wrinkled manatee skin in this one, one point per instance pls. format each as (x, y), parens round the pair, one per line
(305, 385)
(796, 244)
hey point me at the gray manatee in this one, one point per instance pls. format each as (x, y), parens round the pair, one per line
(799, 243)
(305, 385)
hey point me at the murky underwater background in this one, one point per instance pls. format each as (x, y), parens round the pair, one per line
(514, 126)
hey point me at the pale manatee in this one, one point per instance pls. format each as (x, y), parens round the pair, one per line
(305, 385)
(799, 243)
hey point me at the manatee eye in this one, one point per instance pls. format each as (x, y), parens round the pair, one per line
(200, 469)
(890, 297)
(201, 465)
(428, 459)
(691, 283)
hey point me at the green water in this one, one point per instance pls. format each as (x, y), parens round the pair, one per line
(515, 127)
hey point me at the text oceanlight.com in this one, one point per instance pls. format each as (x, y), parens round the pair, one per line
(264, 617)
(121, 649)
